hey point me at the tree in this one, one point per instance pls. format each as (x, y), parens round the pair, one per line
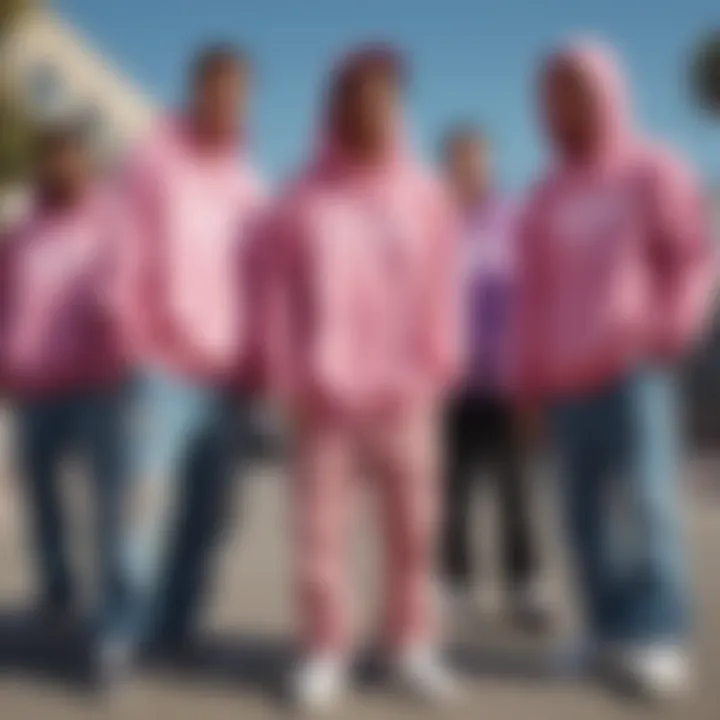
(705, 72)
(16, 136)
(10, 10)
(15, 125)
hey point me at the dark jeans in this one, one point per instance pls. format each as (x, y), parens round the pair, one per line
(482, 431)
(87, 425)
(619, 453)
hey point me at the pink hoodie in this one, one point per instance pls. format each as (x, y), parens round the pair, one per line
(616, 255)
(182, 290)
(57, 331)
(363, 312)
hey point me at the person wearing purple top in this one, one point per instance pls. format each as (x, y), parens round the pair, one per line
(482, 425)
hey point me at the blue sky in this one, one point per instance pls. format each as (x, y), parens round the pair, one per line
(471, 59)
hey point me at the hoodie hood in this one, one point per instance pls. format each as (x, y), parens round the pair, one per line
(329, 153)
(600, 71)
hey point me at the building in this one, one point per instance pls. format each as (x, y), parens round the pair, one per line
(53, 70)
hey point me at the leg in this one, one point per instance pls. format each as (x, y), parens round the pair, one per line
(652, 603)
(101, 437)
(460, 455)
(321, 495)
(408, 488)
(42, 436)
(204, 510)
(165, 415)
(582, 467)
(519, 554)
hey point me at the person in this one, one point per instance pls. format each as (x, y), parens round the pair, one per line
(482, 425)
(616, 272)
(60, 363)
(182, 295)
(363, 341)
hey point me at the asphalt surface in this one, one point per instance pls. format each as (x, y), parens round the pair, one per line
(236, 670)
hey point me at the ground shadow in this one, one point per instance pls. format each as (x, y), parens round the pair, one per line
(495, 648)
(60, 656)
(31, 647)
(501, 662)
(259, 663)
(249, 661)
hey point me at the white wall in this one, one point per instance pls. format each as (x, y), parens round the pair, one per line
(55, 70)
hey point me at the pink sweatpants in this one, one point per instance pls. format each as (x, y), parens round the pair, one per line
(402, 455)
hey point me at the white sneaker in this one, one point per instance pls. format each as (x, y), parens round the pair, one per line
(657, 672)
(422, 672)
(319, 682)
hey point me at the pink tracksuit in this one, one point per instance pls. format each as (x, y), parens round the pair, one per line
(182, 290)
(57, 332)
(363, 340)
(615, 253)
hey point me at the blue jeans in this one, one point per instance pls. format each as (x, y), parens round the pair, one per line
(619, 455)
(88, 425)
(186, 439)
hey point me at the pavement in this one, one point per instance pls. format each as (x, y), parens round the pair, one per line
(245, 649)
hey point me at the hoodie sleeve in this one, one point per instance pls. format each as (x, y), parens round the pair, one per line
(316, 326)
(527, 341)
(275, 290)
(135, 247)
(259, 273)
(306, 363)
(444, 313)
(512, 337)
(7, 240)
(255, 254)
(682, 255)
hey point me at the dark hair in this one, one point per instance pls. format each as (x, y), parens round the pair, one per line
(53, 136)
(461, 135)
(371, 59)
(218, 58)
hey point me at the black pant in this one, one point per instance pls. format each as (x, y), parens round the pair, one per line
(482, 431)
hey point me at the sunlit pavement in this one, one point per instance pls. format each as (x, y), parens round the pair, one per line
(237, 669)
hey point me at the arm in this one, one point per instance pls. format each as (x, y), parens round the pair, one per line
(134, 244)
(304, 319)
(527, 341)
(682, 257)
(7, 240)
(265, 293)
(445, 291)
(275, 297)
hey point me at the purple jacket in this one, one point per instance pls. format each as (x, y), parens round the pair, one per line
(489, 261)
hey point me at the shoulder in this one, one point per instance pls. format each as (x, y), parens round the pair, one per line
(17, 236)
(507, 209)
(251, 191)
(257, 187)
(288, 214)
(663, 168)
(307, 192)
(427, 183)
(529, 206)
(151, 152)
(431, 196)
(667, 185)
